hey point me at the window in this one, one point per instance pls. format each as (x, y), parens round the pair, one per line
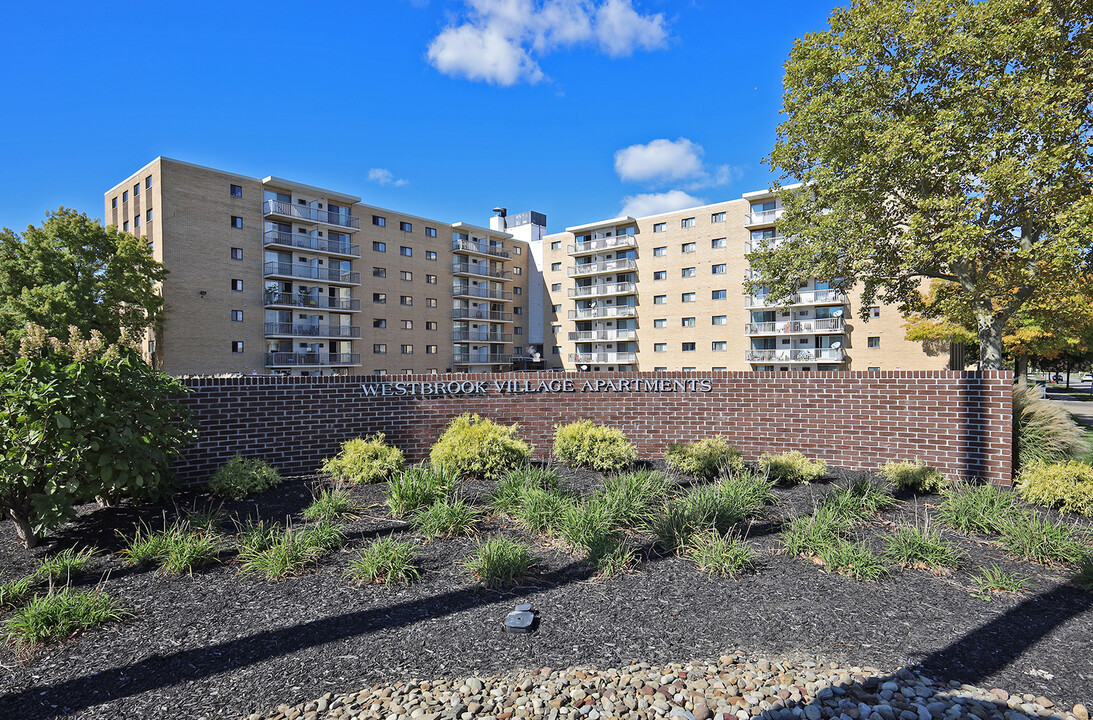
(556, 287)
(556, 308)
(687, 247)
(405, 275)
(125, 196)
(556, 349)
(718, 346)
(406, 227)
(688, 322)
(407, 349)
(688, 272)
(518, 271)
(660, 299)
(660, 323)
(687, 297)
(379, 322)
(517, 250)
(236, 191)
(379, 221)
(136, 221)
(719, 368)
(660, 275)
(430, 302)
(659, 227)
(430, 254)
(148, 215)
(873, 342)
(718, 243)
(136, 190)
(406, 251)
(518, 330)
(431, 349)
(407, 324)
(518, 290)
(430, 232)
(379, 246)
(717, 217)
(556, 245)
(237, 222)
(405, 300)
(660, 251)
(874, 311)
(237, 346)
(113, 202)
(688, 369)
(379, 298)
(518, 350)
(688, 347)
(874, 369)
(518, 310)
(555, 329)
(660, 347)
(718, 269)
(125, 226)
(660, 369)
(555, 267)
(237, 285)
(379, 349)
(148, 182)
(430, 279)
(430, 325)
(237, 316)
(379, 272)
(687, 222)
(237, 253)
(719, 320)
(718, 295)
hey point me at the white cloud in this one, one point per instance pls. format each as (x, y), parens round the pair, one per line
(659, 160)
(655, 203)
(383, 176)
(496, 40)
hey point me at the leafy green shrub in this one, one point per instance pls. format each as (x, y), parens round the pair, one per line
(969, 508)
(386, 561)
(921, 547)
(995, 579)
(280, 553)
(541, 509)
(706, 458)
(500, 561)
(914, 476)
(59, 615)
(792, 468)
(810, 535)
(1043, 430)
(585, 444)
(721, 555)
(65, 564)
(241, 477)
(474, 446)
(445, 517)
(365, 460)
(854, 559)
(14, 591)
(330, 504)
(420, 486)
(511, 490)
(1066, 485)
(860, 500)
(1042, 540)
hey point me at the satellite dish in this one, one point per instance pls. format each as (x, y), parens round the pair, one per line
(836, 345)
(837, 313)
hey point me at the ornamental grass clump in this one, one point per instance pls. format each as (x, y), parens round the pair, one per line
(177, 549)
(853, 559)
(994, 579)
(65, 564)
(970, 507)
(241, 477)
(511, 491)
(15, 591)
(610, 555)
(386, 561)
(860, 500)
(585, 444)
(1043, 540)
(718, 507)
(631, 499)
(500, 561)
(61, 614)
(720, 555)
(706, 458)
(1043, 430)
(923, 548)
(1065, 485)
(365, 460)
(445, 517)
(541, 510)
(277, 553)
(811, 535)
(477, 447)
(330, 504)
(914, 476)
(421, 486)
(792, 468)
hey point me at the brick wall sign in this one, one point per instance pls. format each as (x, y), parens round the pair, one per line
(959, 422)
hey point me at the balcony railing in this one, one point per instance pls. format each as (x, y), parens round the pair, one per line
(482, 269)
(312, 330)
(603, 358)
(477, 359)
(808, 355)
(763, 217)
(606, 266)
(791, 327)
(471, 246)
(308, 300)
(480, 292)
(807, 297)
(310, 359)
(608, 335)
(603, 289)
(311, 272)
(480, 336)
(607, 243)
(318, 244)
(309, 214)
(473, 314)
(615, 311)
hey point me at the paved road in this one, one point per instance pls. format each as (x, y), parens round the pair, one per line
(1083, 411)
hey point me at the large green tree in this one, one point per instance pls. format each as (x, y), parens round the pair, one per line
(73, 272)
(944, 139)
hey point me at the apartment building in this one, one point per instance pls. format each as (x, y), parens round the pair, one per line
(267, 275)
(666, 292)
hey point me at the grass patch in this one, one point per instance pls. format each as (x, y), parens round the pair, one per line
(65, 564)
(254, 537)
(720, 555)
(1043, 540)
(858, 501)
(994, 579)
(853, 559)
(14, 592)
(923, 548)
(510, 492)
(584, 524)
(445, 518)
(387, 561)
(276, 553)
(969, 508)
(207, 520)
(59, 615)
(330, 505)
(500, 561)
(420, 486)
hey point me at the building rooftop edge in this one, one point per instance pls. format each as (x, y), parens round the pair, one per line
(599, 223)
(478, 228)
(281, 182)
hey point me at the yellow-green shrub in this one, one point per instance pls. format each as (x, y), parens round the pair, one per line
(705, 458)
(1067, 485)
(915, 476)
(474, 446)
(792, 467)
(365, 460)
(599, 447)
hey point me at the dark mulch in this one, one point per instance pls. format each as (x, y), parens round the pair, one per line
(220, 644)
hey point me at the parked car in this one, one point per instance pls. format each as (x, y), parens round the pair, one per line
(1088, 377)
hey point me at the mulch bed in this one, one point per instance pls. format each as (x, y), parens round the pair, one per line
(220, 644)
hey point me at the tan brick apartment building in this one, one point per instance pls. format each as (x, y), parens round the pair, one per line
(272, 276)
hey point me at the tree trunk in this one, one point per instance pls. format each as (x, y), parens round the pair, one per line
(23, 529)
(990, 327)
(1020, 369)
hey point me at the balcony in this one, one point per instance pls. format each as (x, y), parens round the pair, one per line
(481, 359)
(479, 248)
(307, 300)
(614, 311)
(796, 327)
(472, 291)
(311, 359)
(603, 358)
(306, 213)
(311, 272)
(274, 238)
(808, 355)
(480, 269)
(475, 314)
(603, 290)
(599, 244)
(763, 217)
(483, 336)
(313, 330)
(603, 335)
(808, 297)
(597, 268)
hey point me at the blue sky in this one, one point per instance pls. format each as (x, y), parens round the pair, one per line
(575, 108)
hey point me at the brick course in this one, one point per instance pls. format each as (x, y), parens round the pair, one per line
(959, 422)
